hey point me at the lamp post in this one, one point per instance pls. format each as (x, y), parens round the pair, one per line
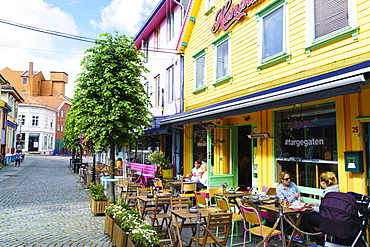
(19, 136)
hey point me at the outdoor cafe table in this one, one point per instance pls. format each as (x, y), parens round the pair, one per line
(293, 216)
(183, 215)
(145, 202)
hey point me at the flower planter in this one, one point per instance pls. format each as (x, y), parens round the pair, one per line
(130, 243)
(98, 207)
(167, 173)
(119, 236)
(108, 226)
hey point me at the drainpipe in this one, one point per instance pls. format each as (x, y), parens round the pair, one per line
(182, 8)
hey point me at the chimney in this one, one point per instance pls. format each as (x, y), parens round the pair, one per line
(30, 70)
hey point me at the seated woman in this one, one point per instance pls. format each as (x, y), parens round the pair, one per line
(204, 179)
(196, 173)
(329, 183)
(287, 190)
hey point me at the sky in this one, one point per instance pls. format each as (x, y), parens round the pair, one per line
(86, 18)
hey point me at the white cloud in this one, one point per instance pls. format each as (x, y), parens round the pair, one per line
(19, 46)
(124, 16)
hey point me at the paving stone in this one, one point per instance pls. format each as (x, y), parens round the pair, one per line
(42, 204)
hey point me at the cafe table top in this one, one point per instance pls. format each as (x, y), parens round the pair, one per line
(231, 195)
(271, 207)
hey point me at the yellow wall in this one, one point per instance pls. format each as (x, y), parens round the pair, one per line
(247, 80)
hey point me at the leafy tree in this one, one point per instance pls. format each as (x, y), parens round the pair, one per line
(110, 104)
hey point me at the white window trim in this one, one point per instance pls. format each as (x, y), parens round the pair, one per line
(195, 59)
(310, 26)
(171, 84)
(217, 43)
(284, 55)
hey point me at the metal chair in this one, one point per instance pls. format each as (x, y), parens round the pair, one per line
(252, 217)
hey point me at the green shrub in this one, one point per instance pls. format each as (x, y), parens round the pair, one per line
(97, 191)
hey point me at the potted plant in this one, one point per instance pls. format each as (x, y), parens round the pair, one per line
(160, 159)
(130, 229)
(111, 214)
(119, 162)
(98, 199)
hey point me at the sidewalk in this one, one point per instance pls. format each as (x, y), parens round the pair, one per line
(10, 170)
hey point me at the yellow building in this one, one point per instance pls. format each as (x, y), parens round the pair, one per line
(284, 84)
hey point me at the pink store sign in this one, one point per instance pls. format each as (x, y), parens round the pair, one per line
(227, 15)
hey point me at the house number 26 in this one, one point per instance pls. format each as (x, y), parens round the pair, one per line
(355, 129)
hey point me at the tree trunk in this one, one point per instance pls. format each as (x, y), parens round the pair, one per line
(112, 149)
(93, 171)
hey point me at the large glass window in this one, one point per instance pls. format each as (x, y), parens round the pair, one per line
(330, 20)
(273, 37)
(273, 33)
(306, 143)
(200, 68)
(222, 63)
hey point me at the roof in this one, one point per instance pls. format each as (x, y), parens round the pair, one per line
(13, 91)
(52, 101)
(25, 73)
(37, 101)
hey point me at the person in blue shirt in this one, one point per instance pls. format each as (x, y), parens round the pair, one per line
(18, 158)
(287, 190)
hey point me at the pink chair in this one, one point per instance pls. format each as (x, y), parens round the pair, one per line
(252, 217)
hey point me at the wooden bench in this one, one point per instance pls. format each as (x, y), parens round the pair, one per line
(311, 192)
(144, 172)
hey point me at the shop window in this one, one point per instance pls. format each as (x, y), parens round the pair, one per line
(222, 55)
(306, 142)
(273, 45)
(330, 20)
(170, 84)
(200, 70)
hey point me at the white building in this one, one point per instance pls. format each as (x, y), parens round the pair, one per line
(37, 125)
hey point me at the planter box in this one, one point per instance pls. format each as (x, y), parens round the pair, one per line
(98, 207)
(108, 226)
(119, 236)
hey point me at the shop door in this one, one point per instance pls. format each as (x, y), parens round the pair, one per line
(221, 156)
(33, 143)
(245, 157)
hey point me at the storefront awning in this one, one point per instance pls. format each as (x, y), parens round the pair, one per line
(345, 81)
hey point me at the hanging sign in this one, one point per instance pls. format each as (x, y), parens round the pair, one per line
(227, 15)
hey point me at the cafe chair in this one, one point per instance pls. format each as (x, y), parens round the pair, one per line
(160, 219)
(253, 225)
(215, 220)
(223, 206)
(181, 203)
(144, 192)
(187, 187)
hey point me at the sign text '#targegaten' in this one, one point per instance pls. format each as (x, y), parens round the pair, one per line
(226, 16)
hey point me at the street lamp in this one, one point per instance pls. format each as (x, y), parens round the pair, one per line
(19, 136)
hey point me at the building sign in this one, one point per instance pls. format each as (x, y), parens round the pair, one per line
(227, 15)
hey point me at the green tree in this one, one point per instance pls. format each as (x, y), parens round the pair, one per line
(110, 104)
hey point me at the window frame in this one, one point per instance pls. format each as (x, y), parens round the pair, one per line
(210, 7)
(22, 120)
(284, 54)
(350, 30)
(196, 57)
(170, 84)
(157, 90)
(170, 26)
(24, 81)
(35, 121)
(218, 42)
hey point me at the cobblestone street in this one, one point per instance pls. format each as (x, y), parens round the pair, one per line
(42, 204)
